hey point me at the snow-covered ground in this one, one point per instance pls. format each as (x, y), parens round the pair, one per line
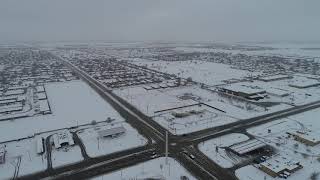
(204, 117)
(287, 146)
(101, 146)
(22, 157)
(214, 149)
(65, 156)
(71, 105)
(200, 71)
(281, 49)
(155, 103)
(156, 168)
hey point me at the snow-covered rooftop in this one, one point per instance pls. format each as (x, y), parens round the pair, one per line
(278, 164)
(247, 146)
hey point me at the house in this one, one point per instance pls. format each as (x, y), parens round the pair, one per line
(112, 132)
(277, 165)
(308, 138)
(63, 138)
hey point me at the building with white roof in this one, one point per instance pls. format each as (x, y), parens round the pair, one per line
(304, 83)
(111, 132)
(63, 138)
(308, 138)
(247, 146)
(244, 90)
(277, 92)
(280, 164)
(274, 78)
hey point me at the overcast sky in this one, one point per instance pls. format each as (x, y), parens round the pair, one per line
(149, 20)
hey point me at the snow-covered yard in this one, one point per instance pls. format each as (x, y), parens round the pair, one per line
(97, 146)
(156, 168)
(71, 105)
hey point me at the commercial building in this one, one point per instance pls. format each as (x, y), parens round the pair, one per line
(304, 83)
(63, 138)
(247, 146)
(277, 165)
(243, 90)
(277, 92)
(274, 78)
(308, 138)
(116, 131)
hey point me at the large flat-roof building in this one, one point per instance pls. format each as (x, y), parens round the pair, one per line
(247, 146)
(112, 132)
(279, 164)
(274, 78)
(302, 83)
(308, 138)
(244, 90)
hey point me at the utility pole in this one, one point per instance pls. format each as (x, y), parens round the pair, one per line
(166, 147)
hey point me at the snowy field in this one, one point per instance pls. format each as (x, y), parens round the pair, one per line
(102, 146)
(150, 101)
(287, 146)
(205, 72)
(214, 149)
(66, 156)
(22, 159)
(280, 49)
(71, 105)
(156, 104)
(153, 169)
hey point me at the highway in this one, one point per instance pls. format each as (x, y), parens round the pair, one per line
(182, 148)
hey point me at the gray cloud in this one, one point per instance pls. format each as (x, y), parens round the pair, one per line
(145, 20)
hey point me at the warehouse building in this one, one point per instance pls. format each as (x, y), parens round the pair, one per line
(277, 92)
(112, 132)
(304, 83)
(274, 78)
(308, 138)
(245, 91)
